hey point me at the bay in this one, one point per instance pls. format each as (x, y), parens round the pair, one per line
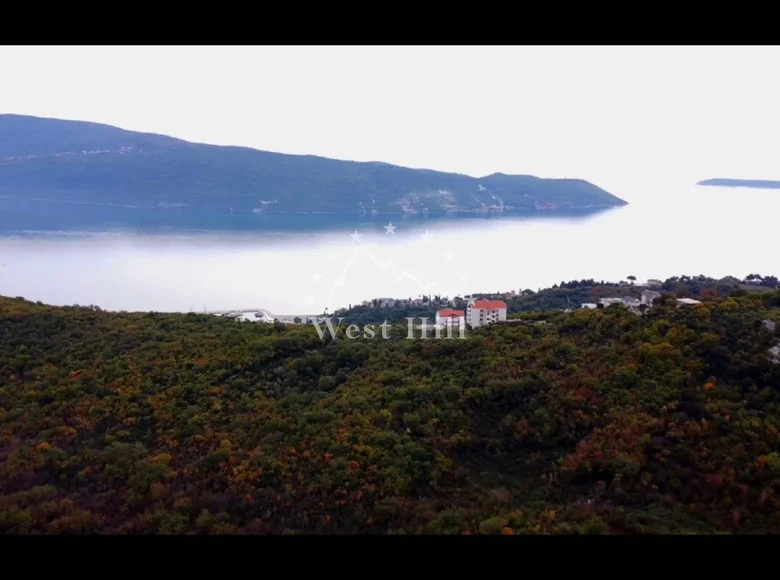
(307, 263)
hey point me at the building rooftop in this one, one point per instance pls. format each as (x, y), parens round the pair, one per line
(688, 301)
(447, 312)
(490, 304)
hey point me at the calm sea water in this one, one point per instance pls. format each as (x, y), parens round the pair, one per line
(304, 264)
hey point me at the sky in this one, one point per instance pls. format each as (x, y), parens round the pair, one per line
(618, 116)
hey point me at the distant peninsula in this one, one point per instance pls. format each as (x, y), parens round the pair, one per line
(754, 183)
(76, 162)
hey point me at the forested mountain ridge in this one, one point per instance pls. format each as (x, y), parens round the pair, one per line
(598, 421)
(90, 163)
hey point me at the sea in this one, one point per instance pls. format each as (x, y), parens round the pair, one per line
(316, 263)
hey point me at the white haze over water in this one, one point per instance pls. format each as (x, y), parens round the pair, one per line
(690, 230)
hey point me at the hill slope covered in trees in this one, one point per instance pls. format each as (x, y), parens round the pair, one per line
(567, 295)
(99, 165)
(596, 421)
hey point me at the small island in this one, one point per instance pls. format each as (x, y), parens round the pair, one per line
(753, 183)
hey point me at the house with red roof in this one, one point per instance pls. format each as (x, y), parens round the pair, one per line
(452, 318)
(483, 312)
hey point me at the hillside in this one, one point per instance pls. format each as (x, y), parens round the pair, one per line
(754, 183)
(89, 163)
(563, 296)
(596, 422)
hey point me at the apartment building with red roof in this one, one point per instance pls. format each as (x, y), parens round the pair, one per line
(483, 312)
(450, 317)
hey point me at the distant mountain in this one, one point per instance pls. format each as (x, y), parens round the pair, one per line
(755, 183)
(95, 164)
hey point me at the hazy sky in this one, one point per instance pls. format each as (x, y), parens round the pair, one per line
(613, 115)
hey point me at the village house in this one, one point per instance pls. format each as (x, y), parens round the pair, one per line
(453, 318)
(774, 352)
(589, 305)
(629, 302)
(484, 312)
(653, 283)
(648, 296)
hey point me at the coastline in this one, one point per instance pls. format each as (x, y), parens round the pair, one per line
(25, 216)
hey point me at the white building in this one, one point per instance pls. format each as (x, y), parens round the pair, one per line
(483, 312)
(653, 283)
(648, 296)
(449, 317)
(631, 302)
(686, 302)
(589, 305)
(607, 302)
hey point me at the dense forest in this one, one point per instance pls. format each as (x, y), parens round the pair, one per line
(588, 422)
